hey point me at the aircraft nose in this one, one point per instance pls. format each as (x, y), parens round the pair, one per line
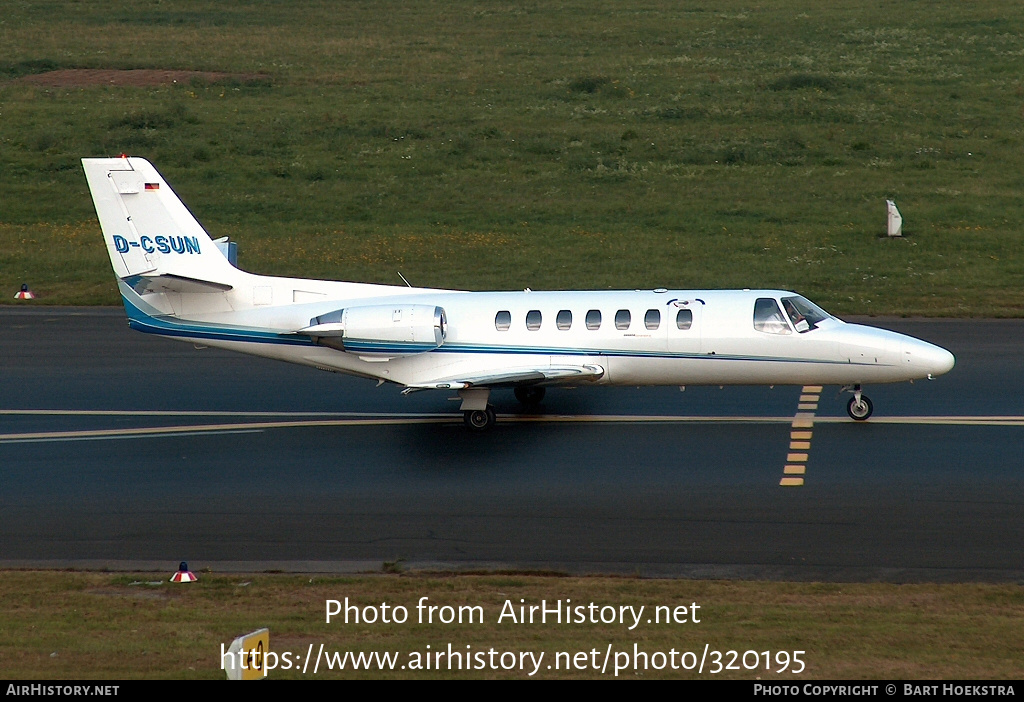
(930, 359)
(943, 361)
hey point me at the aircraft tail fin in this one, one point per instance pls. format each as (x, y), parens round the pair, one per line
(149, 232)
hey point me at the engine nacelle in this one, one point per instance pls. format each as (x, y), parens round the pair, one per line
(383, 330)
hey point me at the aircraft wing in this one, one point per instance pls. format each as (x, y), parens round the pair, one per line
(548, 375)
(329, 329)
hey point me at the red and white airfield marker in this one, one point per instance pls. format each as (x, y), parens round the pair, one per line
(184, 575)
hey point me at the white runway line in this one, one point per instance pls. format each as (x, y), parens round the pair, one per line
(196, 429)
(121, 437)
(350, 419)
(201, 413)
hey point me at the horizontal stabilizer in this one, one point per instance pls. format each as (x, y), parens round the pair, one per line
(169, 283)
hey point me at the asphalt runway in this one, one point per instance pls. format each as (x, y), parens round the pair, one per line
(121, 450)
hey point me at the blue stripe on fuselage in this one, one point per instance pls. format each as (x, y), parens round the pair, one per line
(165, 326)
(169, 326)
(140, 321)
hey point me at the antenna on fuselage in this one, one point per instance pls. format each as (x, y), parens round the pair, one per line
(403, 279)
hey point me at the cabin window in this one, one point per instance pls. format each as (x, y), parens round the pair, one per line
(533, 320)
(652, 320)
(769, 318)
(594, 319)
(684, 319)
(564, 319)
(503, 320)
(622, 319)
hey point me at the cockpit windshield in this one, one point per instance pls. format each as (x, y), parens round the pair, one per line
(804, 314)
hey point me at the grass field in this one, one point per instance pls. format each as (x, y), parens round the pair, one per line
(485, 145)
(101, 625)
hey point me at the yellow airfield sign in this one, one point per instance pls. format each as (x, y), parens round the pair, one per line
(246, 657)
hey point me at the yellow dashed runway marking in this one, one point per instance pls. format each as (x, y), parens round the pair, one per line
(803, 420)
(801, 440)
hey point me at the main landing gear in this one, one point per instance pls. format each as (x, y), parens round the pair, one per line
(479, 415)
(480, 420)
(859, 407)
(476, 412)
(530, 396)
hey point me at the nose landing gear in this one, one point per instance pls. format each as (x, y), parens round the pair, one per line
(859, 407)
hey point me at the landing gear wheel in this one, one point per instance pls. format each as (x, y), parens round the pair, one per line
(859, 408)
(530, 396)
(480, 420)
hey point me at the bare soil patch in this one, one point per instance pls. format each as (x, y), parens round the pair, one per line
(138, 77)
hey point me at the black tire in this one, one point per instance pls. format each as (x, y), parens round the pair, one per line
(480, 420)
(862, 411)
(530, 396)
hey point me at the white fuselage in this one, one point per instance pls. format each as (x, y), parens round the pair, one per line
(719, 346)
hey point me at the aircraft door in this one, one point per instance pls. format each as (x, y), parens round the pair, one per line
(683, 326)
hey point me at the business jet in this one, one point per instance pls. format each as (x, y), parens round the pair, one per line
(177, 282)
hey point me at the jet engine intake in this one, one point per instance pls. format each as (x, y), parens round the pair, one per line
(384, 330)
